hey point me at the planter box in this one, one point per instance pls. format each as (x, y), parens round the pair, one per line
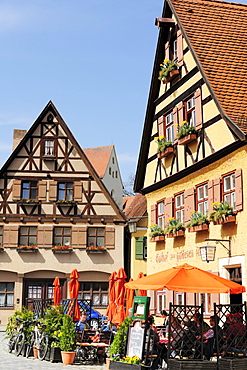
(65, 203)
(171, 76)
(27, 250)
(187, 139)
(225, 220)
(54, 354)
(232, 363)
(165, 152)
(196, 228)
(57, 250)
(116, 365)
(96, 250)
(31, 203)
(174, 364)
(157, 238)
(175, 235)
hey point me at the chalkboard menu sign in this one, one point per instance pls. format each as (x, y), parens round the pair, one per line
(136, 340)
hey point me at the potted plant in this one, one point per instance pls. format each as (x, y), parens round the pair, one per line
(198, 222)
(168, 71)
(165, 147)
(96, 249)
(174, 228)
(58, 248)
(222, 213)
(186, 133)
(118, 346)
(53, 320)
(68, 340)
(156, 233)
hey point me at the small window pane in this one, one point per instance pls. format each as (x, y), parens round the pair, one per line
(2, 287)
(33, 230)
(10, 300)
(100, 231)
(100, 242)
(104, 299)
(10, 287)
(96, 300)
(91, 231)
(2, 296)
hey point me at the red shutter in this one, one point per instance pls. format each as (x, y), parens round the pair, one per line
(153, 214)
(216, 191)
(167, 51)
(180, 112)
(239, 190)
(210, 196)
(168, 209)
(189, 204)
(198, 108)
(180, 48)
(161, 125)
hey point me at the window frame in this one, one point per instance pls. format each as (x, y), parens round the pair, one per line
(92, 291)
(7, 293)
(169, 128)
(202, 201)
(66, 190)
(160, 216)
(28, 235)
(190, 113)
(45, 146)
(62, 236)
(96, 236)
(179, 209)
(231, 191)
(32, 187)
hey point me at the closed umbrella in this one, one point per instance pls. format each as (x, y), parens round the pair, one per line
(119, 296)
(74, 286)
(186, 278)
(129, 296)
(141, 292)
(111, 309)
(57, 295)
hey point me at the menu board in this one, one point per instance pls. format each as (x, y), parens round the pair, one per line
(135, 341)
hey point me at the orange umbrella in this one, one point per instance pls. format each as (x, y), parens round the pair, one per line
(74, 286)
(111, 293)
(129, 295)
(119, 296)
(57, 295)
(141, 293)
(186, 278)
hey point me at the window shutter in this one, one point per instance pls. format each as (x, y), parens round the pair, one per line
(175, 121)
(167, 50)
(52, 191)
(216, 190)
(16, 188)
(139, 248)
(42, 190)
(77, 191)
(198, 108)
(180, 48)
(180, 112)
(239, 190)
(210, 196)
(110, 238)
(153, 214)
(189, 204)
(161, 125)
(168, 209)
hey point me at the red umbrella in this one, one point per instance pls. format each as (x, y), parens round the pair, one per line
(141, 292)
(119, 296)
(74, 286)
(129, 295)
(111, 309)
(57, 295)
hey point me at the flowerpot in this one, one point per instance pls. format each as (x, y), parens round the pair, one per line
(67, 357)
(197, 228)
(232, 363)
(107, 361)
(176, 364)
(171, 76)
(35, 352)
(165, 152)
(55, 354)
(116, 365)
(187, 139)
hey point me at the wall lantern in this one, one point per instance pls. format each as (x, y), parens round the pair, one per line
(132, 226)
(208, 251)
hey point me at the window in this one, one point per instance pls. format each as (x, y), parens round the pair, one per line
(202, 198)
(161, 300)
(49, 147)
(190, 111)
(179, 207)
(161, 214)
(29, 190)
(28, 235)
(1, 236)
(116, 174)
(169, 129)
(96, 237)
(96, 291)
(205, 300)
(7, 294)
(109, 170)
(229, 195)
(175, 49)
(62, 236)
(65, 191)
(34, 291)
(113, 160)
(141, 248)
(113, 174)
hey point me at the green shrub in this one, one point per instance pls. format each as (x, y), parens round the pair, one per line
(68, 337)
(118, 345)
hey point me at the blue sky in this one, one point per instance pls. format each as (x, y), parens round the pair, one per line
(93, 59)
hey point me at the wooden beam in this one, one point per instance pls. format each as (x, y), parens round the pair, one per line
(164, 22)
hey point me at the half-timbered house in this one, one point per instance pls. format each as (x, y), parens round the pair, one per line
(55, 215)
(206, 42)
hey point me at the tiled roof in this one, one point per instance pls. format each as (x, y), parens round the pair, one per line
(134, 206)
(99, 158)
(217, 31)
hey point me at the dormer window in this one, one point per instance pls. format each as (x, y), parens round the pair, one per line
(49, 149)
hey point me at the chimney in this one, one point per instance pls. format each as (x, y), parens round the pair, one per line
(18, 135)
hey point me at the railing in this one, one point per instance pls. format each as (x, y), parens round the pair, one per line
(38, 306)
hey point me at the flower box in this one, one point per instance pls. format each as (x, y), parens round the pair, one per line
(27, 249)
(65, 202)
(28, 202)
(232, 363)
(95, 250)
(165, 152)
(187, 139)
(157, 238)
(117, 365)
(62, 249)
(225, 220)
(172, 74)
(176, 364)
(196, 228)
(176, 234)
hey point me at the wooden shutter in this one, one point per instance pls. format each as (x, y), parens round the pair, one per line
(16, 188)
(110, 238)
(52, 191)
(167, 50)
(189, 204)
(175, 121)
(198, 108)
(180, 48)
(42, 190)
(168, 209)
(210, 196)
(216, 190)
(161, 125)
(139, 248)
(153, 214)
(77, 191)
(180, 112)
(239, 190)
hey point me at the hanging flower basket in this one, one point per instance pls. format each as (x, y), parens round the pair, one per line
(165, 152)
(168, 71)
(173, 74)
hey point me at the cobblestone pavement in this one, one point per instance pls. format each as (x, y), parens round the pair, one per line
(9, 361)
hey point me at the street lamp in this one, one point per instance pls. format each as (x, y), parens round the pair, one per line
(132, 226)
(208, 251)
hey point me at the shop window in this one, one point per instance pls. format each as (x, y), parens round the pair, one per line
(65, 191)
(96, 237)
(179, 207)
(96, 291)
(29, 190)
(229, 194)
(7, 294)
(62, 236)
(161, 214)
(28, 235)
(141, 248)
(202, 198)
